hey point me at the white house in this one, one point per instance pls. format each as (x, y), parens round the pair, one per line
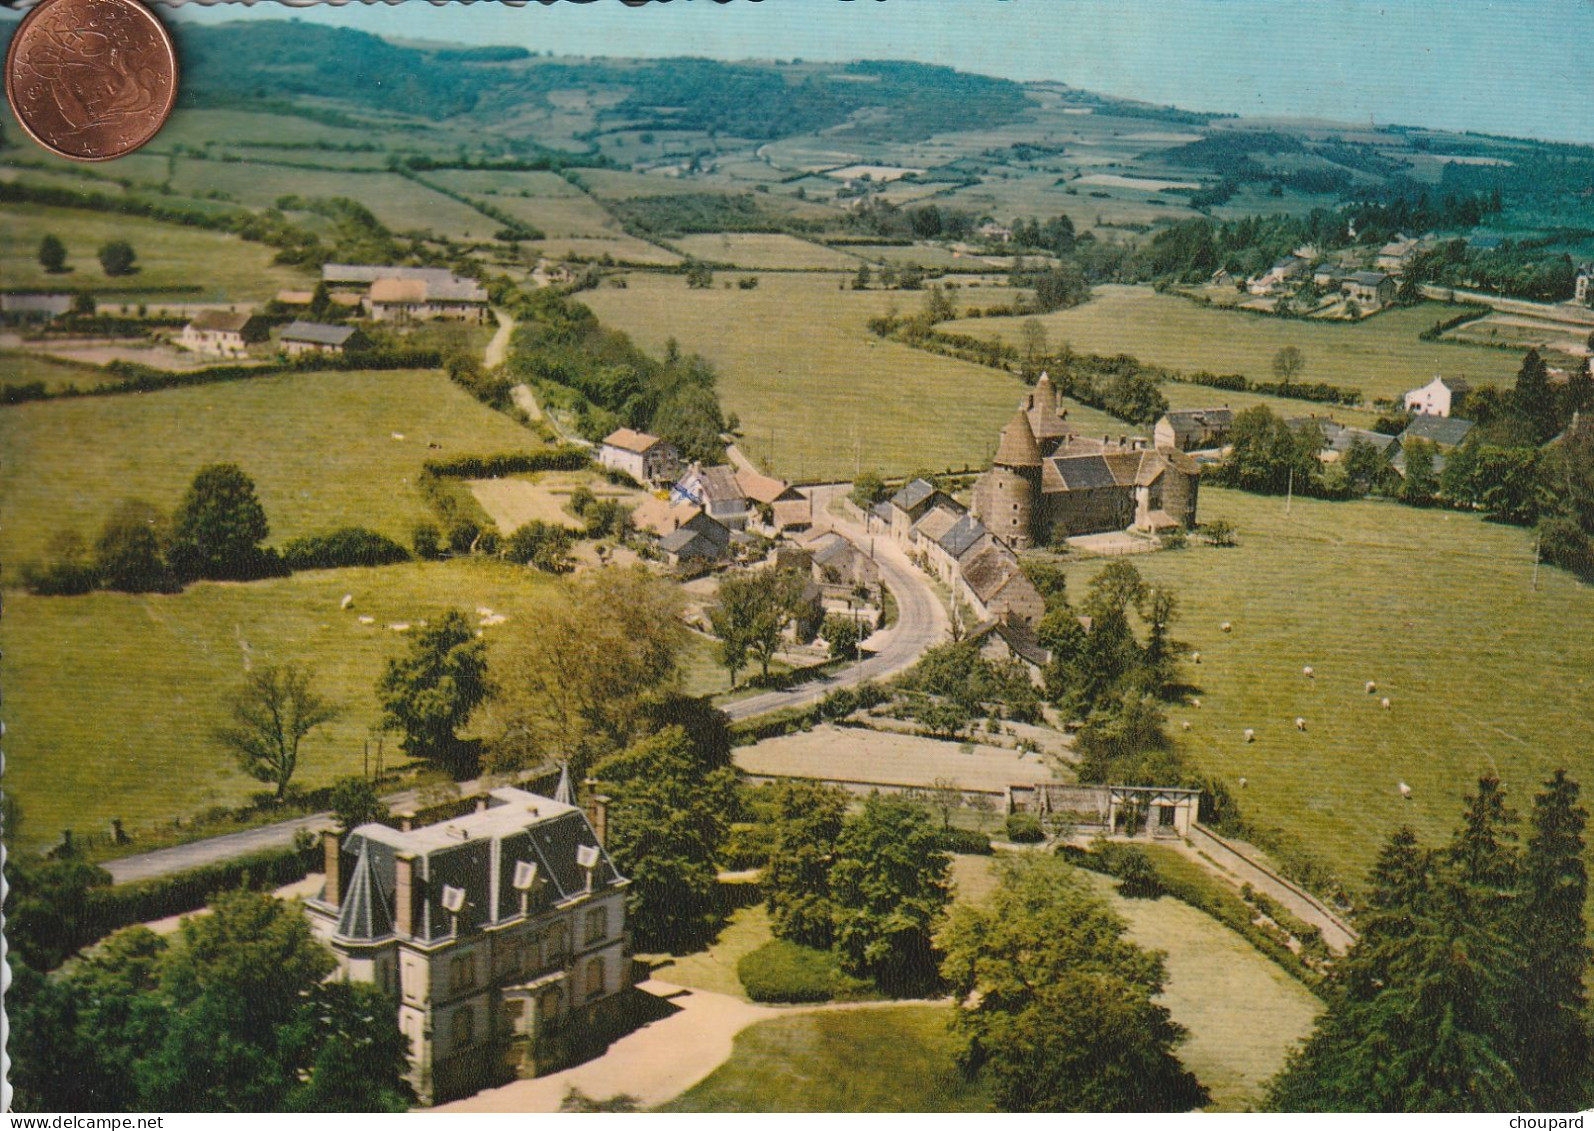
(643, 457)
(717, 491)
(221, 333)
(497, 933)
(1583, 288)
(1438, 396)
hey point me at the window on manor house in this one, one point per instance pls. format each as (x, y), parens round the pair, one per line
(595, 978)
(597, 924)
(462, 973)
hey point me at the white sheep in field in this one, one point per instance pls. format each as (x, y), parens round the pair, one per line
(1384, 703)
(1300, 723)
(1185, 725)
(1195, 657)
(367, 620)
(1243, 783)
(1308, 672)
(1250, 735)
(1405, 791)
(1371, 687)
(347, 602)
(1196, 703)
(1225, 627)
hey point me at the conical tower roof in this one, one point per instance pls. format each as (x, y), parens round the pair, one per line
(1018, 447)
(364, 915)
(1046, 395)
(563, 793)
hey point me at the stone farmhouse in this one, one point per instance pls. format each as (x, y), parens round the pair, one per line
(1583, 286)
(500, 933)
(222, 333)
(1194, 430)
(1396, 255)
(643, 457)
(716, 491)
(316, 337)
(1370, 290)
(409, 294)
(1438, 396)
(1045, 482)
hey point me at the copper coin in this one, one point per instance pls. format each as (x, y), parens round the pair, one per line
(91, 79)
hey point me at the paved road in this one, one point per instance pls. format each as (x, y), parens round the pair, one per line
(921, 620)
(214, 850)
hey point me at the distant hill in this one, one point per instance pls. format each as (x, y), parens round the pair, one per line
(273, 60)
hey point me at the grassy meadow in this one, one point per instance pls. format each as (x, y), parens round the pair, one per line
(111, 698)
(19, 367)
(1437, 608)
(545, 200)
(169, 255)
(319, 446)
(795, 356)
(1381, 356)
(768, 251)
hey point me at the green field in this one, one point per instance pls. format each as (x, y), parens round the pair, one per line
(795, 356)
(111, 698)
(319, 446)
(546, 200)
(765, 251)
(1186, 396)
(18, 367)
(1437, 608)
(1381, 356)
(169, 255)
(892, 1058)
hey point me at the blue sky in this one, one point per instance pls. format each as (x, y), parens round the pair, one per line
(1521, 67)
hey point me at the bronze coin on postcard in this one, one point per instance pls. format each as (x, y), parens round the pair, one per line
(922, 556)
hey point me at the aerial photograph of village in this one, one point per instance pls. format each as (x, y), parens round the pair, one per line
(796, 557)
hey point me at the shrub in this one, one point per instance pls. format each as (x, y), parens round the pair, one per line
(427, 540)
(350, 546)
(781, 971)
(1128, 863)
(964, 842)
(1024, 828)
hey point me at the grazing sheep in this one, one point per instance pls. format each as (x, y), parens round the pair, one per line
(1185, 725)
(1196, 703)
(1371, 687)
(1405, 791)
(1300, 723)
(1308, 672)
(1250, 735)
(1225, 627)
(398, 435)
(347, 602)
(1195, 657)
(1384, 703)
(367, 620)
(399, 627)
(1243, 783)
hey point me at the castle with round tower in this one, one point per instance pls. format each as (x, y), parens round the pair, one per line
(1047, 482)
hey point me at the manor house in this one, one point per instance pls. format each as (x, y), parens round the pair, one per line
(1047, 482)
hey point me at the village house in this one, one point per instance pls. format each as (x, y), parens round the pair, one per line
(1346, 438)
(425, 300)
(778, 506)
(1001, 641)
(1438, 397)
(994, 233)
(1191, 430)
(995, 586)
(1275, 277)
(305, 298)
(911, 503)
(317, 337)
(834, 560)
(643, 457)
(717, 491)
(222, 333)
(1370, 290)
(1583, 285)
(1396, 255)
(499, 933)
(1445, 431)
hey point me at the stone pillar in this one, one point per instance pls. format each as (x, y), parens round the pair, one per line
(404, 895)
(332, 854)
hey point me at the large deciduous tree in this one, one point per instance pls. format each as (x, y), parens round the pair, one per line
(429, 693)
(117, 257)
(890, 891)
(670, 815)
(52, 254)
(130, 553)
(1054, 1006)
(271, 715)
(805, 819)
(218, 527)
(753, 612)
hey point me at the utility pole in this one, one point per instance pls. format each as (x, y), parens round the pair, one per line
(1538, 544)
(1289, 494)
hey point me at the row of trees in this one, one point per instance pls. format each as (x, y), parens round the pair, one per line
(1467, 989)
(116, 257)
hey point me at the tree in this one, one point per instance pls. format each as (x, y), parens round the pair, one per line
(667, 825)
(83, 305)
(698, 275)
(1266, 455)
(271, 715)
(861, 281)
(355, 1055)
(1557, 1044)
(1534, 399)
(889, 885)
(545, 545)
(1032, 343)
(1061, 286)
(52, 254)
(842, 633)
(1054, 1006)
(355, 802)
(218, 527)
(578, 677)
(1578, 396)
(753, 612)
(804, 821)
(1420, 482)
(868, 489)
(117, 257)
(129, 554)
(431, 692)
(1288, 364)
(1365, 468)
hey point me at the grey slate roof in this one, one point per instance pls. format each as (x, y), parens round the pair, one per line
(912, 495)
(1192, 419)
(1084, 472)
(964, 533)
(1346, 437)
(882, 511)
(318, 332)
(1366, 278)
(1444, 430)
(365, 914)
(688, 543)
